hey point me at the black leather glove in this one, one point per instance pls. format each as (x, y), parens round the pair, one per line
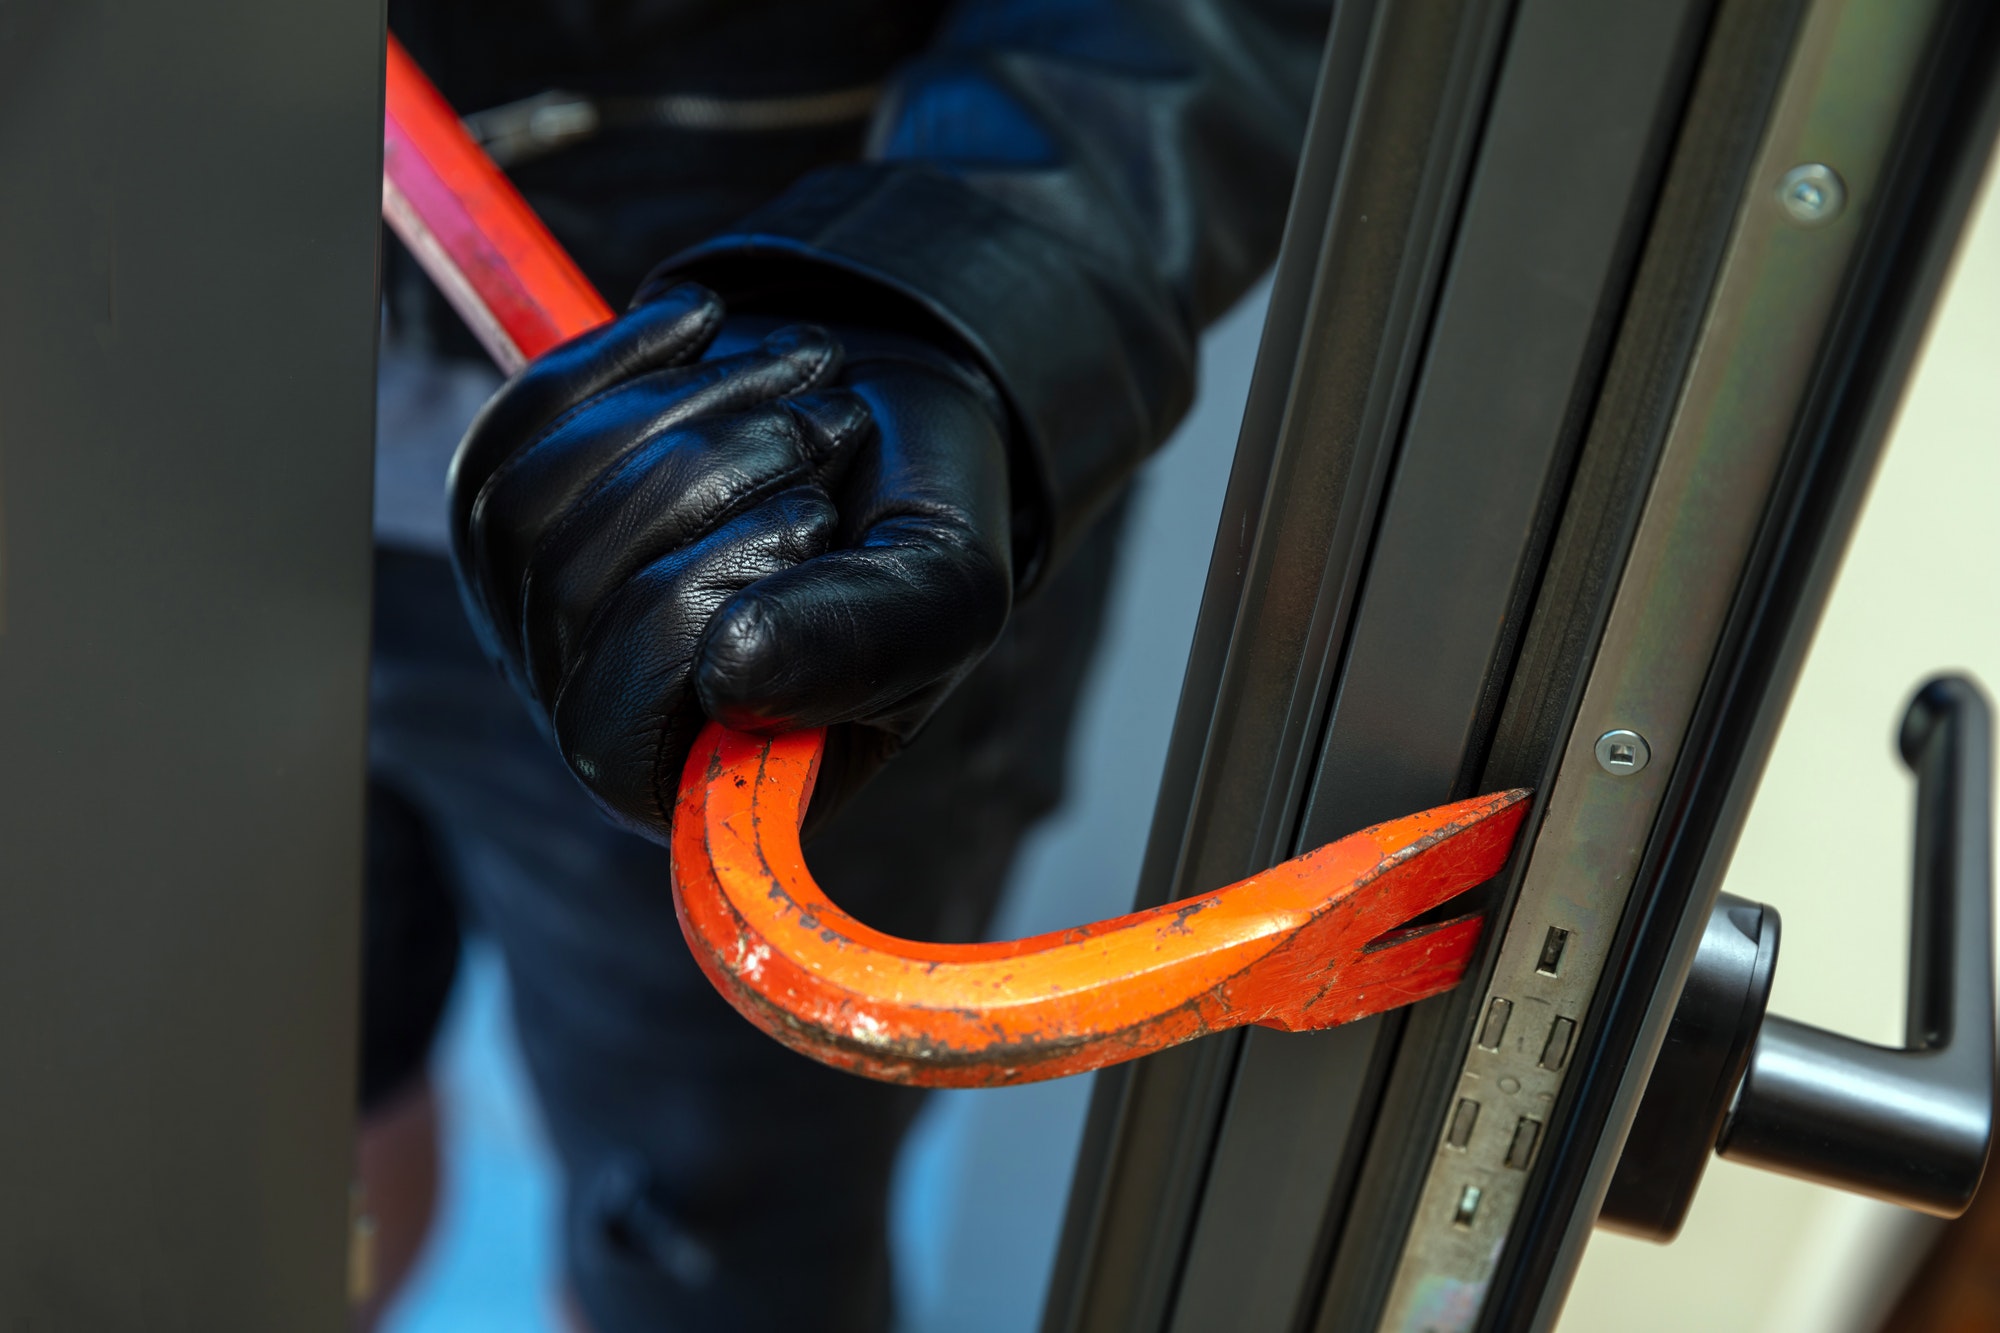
(811, 529)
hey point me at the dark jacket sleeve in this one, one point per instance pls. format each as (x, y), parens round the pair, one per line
(1074, 188)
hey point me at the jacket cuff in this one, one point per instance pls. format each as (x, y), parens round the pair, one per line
(1095, 364)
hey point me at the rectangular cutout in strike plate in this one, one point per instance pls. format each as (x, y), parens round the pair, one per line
(1468, 1207)
(1494, 1028)
(1522, 1150)
(1551, 960)
(1556, 1050)
(1463, 1118)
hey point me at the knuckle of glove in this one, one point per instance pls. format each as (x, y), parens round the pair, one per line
(669, 331)
(528, 486)
(667, 492)
(625, 714)
(880, 630)
(658, 498)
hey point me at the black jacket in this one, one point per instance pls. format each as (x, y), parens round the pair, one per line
(1071, 187)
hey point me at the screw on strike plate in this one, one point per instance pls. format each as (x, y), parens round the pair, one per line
(1622, 753)
(1812, 194)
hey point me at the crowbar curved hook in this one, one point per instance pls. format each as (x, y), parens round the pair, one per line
(1317, 941)
(1311, 943)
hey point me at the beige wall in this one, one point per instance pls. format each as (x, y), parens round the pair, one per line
(1827, 843)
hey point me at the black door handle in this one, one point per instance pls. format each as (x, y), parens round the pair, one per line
(1909, 1125)
(1912, 1125)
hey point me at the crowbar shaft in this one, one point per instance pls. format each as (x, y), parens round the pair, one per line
(1314, 942)
(511, 282)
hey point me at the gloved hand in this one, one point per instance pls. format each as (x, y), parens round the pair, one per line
(810, 532)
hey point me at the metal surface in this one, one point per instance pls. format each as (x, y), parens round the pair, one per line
(1356, 277)
(1911, 1126)
(1296, 1154)
(1812, 194)
(1622, 753)
(187, 319)
(534, 127)
(1318, 941)
(1410, 683)
(476, 238)
(1944, 135)
(1840, 102)
(1539, 272)
(1688, 223)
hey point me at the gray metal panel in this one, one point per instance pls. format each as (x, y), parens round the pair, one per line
(1568, 168)
(1395, 125)
(1933, 177)
(186, 406)
(1688, 228)
(1398, 624)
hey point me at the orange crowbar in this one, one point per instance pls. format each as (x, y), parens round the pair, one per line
(1320, 940)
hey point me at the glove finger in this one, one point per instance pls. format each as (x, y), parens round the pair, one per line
(543, 471)
(664, 495)
(624, 717)
(880, 630)
(852, 635)
(524, 497)
(669, 331)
